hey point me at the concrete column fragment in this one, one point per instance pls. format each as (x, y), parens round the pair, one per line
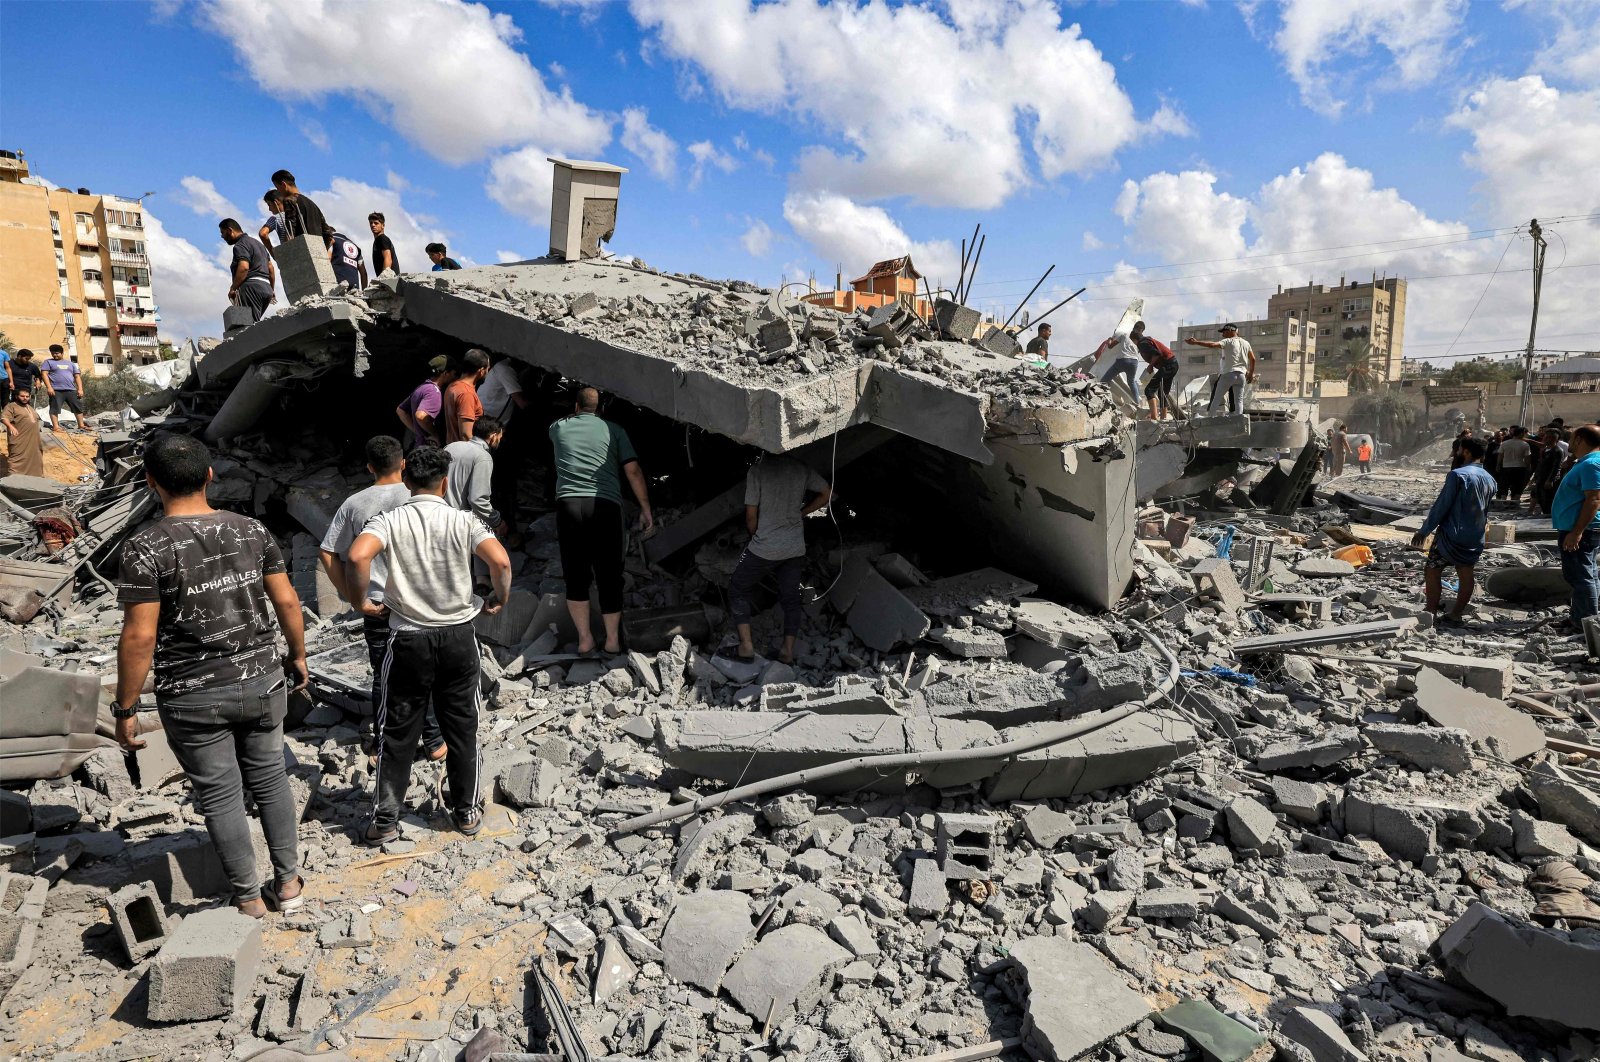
(968, 845)
(304, 267)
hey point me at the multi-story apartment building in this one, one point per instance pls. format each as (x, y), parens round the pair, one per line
(76, 272)
(1373, 310)
(1286, 354)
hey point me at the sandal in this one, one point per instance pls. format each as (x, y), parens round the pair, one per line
(285, 904)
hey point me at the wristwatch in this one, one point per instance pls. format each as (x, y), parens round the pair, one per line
(119, 712)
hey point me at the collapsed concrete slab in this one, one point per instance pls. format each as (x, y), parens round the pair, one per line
(1075, 1000)
(788, 971)
(48, 726)
(1491, 722)
(706, 931)
(1532, 972)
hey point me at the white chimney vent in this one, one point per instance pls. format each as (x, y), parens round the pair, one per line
(583, 207)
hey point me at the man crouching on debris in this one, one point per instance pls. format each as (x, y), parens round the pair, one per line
(778, 493)
(195, 589)
(1460, 516)
(432, 656)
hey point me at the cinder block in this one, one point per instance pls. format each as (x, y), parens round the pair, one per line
(304, 267)
(956, 321)
(207, 968)
(998, 341)
(967, 845)
(139, 919)
(21, 906)
(1213, 577)
(235, 318)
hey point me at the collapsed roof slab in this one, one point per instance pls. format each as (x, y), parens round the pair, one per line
(280, 334)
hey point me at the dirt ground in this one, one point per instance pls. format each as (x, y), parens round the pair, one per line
(74, 457)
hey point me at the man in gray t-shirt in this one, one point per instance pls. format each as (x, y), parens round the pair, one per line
(778, 493)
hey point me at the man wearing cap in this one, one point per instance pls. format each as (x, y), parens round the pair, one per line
(420, 411)
(1237, 366)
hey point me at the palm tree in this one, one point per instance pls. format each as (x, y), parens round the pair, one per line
(1392, 414)
(1356, 358)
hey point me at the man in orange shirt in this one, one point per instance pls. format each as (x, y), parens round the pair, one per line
(461, 405)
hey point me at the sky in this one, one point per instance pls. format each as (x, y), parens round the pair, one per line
(1193, 154)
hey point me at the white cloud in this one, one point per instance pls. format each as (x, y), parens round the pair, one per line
(1572, 38)
(706, 154)
(446, 74)
(520, 182)
(955, 139)
(658, 150)
(757, 239)
(840, 230)
(1181, 217)
(1534, 144)
(346, 204)
(191, 287)
(315, 134)
(1327, 45)
(202, 197)
(510, 256)
(1091, 242)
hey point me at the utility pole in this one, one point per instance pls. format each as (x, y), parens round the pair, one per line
(1533, 326)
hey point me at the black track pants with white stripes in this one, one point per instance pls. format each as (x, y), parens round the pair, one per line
(437, 666)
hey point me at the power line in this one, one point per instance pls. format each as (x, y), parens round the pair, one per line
(1228, 291)
(1481, 294)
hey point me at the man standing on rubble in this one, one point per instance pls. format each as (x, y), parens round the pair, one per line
(472, 471)
(420, 411)
(63, 380)
(441, 261)
(197, 589)
(502, 398)
(384, 260)
(1163, 365)
(24, 442)
(1339, 448)
(779, 492)
(461, 404)
(1039, 346)
(592, 457)
(1547, 470)
(301, 216)
(1516, 466)
(1575, 513)
(432, 656)
(254, 273)
(1459, 516)
(385, 460)
(1236, 368)
(348, 265)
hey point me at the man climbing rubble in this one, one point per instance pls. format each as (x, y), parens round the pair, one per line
(1236, 368)
(1163, 364)
(432, 654)
(779, 492)
(301, 216)
(1124, 357)
(1575, 513)
(385, 460)
(195, 589)
(1460, 516)
(253, 272)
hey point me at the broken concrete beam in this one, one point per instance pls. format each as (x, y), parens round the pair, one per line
(1507, 732)
(1491, 677)
(972, 643)
(1075, 999)
(880, 615)
(755, 745)
(207, 968)
(1214, 580)
(1127, 751)
(1448, 749)
(704, 934)
(1340, 634)
(138, 918)
(1320, 1035)
(788, 971)
(1410, 826)
(1531, 972)
(1323, 750)
(967, 845)
(22, 898)
(1057, 625)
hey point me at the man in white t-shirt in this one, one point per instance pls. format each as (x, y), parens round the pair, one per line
(1236, 367)
(501, 396)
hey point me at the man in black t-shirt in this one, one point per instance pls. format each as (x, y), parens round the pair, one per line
(197, 590)
(383, 257)
(348, 265)
(301, 216)
(253, 272)
(1039, 345)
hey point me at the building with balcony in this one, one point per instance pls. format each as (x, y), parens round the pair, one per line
(1374, 311)
(76, 272)
(1286, 355)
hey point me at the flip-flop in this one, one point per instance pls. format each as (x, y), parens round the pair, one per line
(293, 903)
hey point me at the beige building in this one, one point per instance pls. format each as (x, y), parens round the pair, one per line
(1286, 355)
(1372, 310)
(76, 272)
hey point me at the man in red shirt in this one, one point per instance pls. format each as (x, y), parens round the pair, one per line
(1163, 369)
(461, 405)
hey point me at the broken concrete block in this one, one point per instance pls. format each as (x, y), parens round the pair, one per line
(1127, 751)
(955, 321)
(304, 267)
(22, 898)
(1057, 625)
(1214, 580)
(1219, 1037)
(1250, 823)
(880, 615)
(1430, 747)
(1318, 1033)
(776, 335)
(972, 643)
(207, 968)
(999, 341)
(1510, 733)
(138, 918)
(529, 783)
(1176, 904)
(1536, 837)
(1322, 750)
(1410, 825)
(1075, 999)
(788, 971)
(1125, 871)
(929, 894)
(1490, 676)
(1046, 828)
(1532, 972)
(1574, 806)
(1108, 907)
(1253, 914)
(853, 934)
(703, 935)
(584, 305)
(967, 845)
(1301, 801)
(615, 971)
(1324, 568)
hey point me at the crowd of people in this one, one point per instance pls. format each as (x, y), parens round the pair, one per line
(419, 555)
(62, 384)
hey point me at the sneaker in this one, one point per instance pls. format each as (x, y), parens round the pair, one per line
(377, 836)
(469, 822)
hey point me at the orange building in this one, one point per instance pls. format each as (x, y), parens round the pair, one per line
(891, 280)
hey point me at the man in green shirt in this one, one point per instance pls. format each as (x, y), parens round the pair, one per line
(592, 456)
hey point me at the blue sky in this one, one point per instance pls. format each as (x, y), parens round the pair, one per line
(774, 141)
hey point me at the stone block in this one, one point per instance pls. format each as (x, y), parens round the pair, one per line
(1430, 747)
(955, 321)
(878, 613)
(1107, 908)
(999, 341)
(207, 968)
(1214, 580)
(705, 933)
(1075, 1000)
(787, 972)
(1175, 904)
(1574, 806)
(1250, 823)
(139, 919)
(1301, 801)
(1046, 828)
(929, 894)
(1536, 837)
(235, 318)
(967, 845)
(304, 268)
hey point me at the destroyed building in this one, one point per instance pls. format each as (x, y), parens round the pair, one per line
(1058, 773)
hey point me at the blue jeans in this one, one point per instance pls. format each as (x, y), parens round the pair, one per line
(1127, 368)
(1578, 568)
(227, 738)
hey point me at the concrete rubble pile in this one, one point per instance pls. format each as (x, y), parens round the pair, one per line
(1259, 807)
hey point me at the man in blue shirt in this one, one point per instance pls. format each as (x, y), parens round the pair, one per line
(1575, 513)
(1459, 515)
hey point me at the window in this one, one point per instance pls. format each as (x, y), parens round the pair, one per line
(1197, 359)
(96, 304)
(1326, 309)
(1325, 331)
(102, 359)
(1294, 329)
(93, 276)
(84, 220)
(1264, 355)
(100, 333)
